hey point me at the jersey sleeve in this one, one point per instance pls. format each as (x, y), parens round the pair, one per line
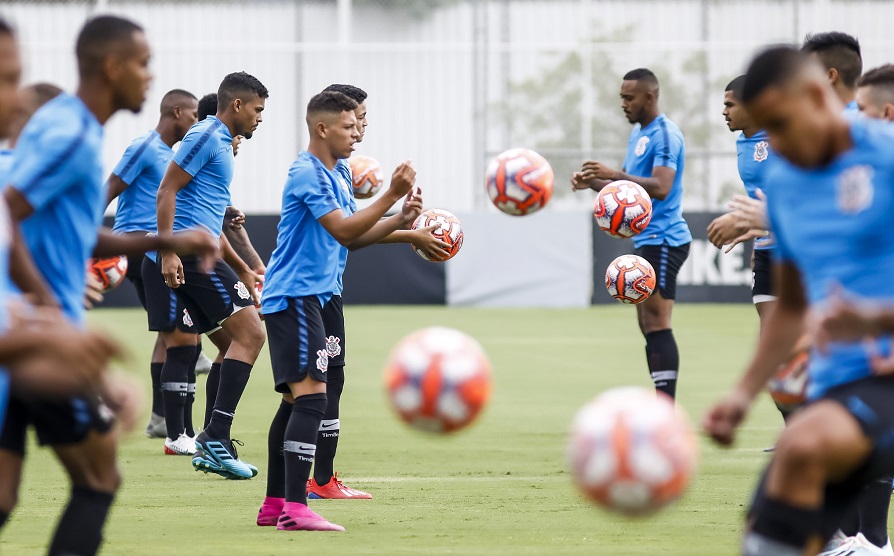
(314, 190)
(196, 150)
(132, 163)
(46, 163)
(668, 149)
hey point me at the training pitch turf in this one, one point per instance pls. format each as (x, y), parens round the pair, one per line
(498, 488)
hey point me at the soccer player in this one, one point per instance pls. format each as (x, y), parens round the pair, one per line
(134, 182)
(56, 192)
(301, 302)
(656, 155)
(840, 55)
(833, 186)
(875, 93)
(195, 191)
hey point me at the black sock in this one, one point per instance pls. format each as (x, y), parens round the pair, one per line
(299, 447)
(276, 463)
(80, 529)
(191, 393)
(158, 406)
(174, 386)
(664, 360)
(789, 525)
(233, 378)
(874, 502)
(4, 517)
(212, 383)
(327, 439)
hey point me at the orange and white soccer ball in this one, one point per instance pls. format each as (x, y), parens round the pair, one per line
(519, 182)
(450, 231)
(367, 175)
(623, 209)
(788, 387)
(630, 279)
(438, 379)
(632, 451)
(109, 271)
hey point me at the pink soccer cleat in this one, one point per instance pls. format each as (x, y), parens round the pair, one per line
(298, 517)
(270, 510)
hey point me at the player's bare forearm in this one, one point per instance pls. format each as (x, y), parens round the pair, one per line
(24, 272)
(116, 187)
(241, 244)
(231, 257)
(386, 230)
(347, 230)
(174, 180)
(658, 185)
(781, 331)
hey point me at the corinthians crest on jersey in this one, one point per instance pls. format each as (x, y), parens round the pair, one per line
(641, 146)
(854, 189)
(761, 151)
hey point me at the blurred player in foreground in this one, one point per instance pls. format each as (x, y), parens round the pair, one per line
(824, 200)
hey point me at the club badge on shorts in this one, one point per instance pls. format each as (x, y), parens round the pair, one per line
(322, 360)
(333, 346)
(187, 320)
(241, 290)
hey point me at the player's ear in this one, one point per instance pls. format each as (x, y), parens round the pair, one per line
(237, 105)
(833, 75)
(888, 111)
(177, 112)
(111, 68)
(320, 128)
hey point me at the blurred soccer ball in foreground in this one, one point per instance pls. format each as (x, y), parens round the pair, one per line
(632, 451)
(438, 379)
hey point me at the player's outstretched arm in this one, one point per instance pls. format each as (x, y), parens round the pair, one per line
(348, 229)
(237, 235)
(782, 329)
(193, 242)
(579, 183)
(422, 239)
(385, 229)
(658, 185)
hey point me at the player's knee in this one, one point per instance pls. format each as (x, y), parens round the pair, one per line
(254, 336)
(799, 452)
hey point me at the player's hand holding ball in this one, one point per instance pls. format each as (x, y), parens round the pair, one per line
(412, 206)
(722, 420)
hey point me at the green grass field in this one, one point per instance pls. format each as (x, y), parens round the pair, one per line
(497, 488)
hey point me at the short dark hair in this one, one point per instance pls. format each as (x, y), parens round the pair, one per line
(237, 84)
(837, 50)
(641, 74)
(207, 106)
(44, 92)
(96, 38)
(880, 76)
(735, 87)
(773, 66)
(331, 102)
(356, 94)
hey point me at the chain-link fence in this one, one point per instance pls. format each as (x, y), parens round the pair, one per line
(453, 82)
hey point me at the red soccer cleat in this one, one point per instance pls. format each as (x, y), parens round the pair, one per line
(334, 490)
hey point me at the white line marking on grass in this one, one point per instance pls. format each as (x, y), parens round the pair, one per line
(449, 479)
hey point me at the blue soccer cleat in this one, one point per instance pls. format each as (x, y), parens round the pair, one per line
(220, 457)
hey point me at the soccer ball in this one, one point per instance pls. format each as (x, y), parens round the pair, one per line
(519, 182)
(438, 379)
(788, 387)
(451, 231)
(110, 271)
(367, 175)
(623, 209)
(630, 279)
(631, 451)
